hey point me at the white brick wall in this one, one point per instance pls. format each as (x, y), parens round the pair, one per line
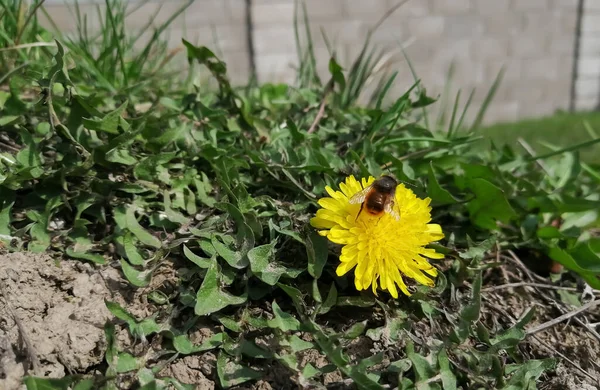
(534, 39)
(587, 85)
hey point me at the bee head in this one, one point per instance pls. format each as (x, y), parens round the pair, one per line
(386, 184)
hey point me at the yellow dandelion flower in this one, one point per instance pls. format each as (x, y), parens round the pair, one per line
(381, 247)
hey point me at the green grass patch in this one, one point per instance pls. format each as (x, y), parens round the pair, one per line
(562, 129)
(106, 158)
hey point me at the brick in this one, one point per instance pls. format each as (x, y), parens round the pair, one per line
(412, 8)
(591, 6)
(502, 24)
(365, 9)
(512, 69)
(587, 88)
(467, 72)
(586, 104)
(540, 21)
(588, 66)
(566, 4)
(538, 109)
(463, 26)
(528, 46)
(446, 7)
(525, 91)
(276, 67)
(347, 31)
(273, 14)
(274, 40)
(64, 17)
(271, 1)
(589, 44)
(428, 26)
(568, 20)
(236, 9)
(491, 7)
(531, 4)
(501, 112)
(541, 68)
(489, 48)
(590, 22)
(562, 44)
(325, 10)
(453, 50)
(390, 32)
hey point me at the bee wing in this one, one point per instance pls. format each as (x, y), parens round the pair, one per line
(389, 208)
(360, 196)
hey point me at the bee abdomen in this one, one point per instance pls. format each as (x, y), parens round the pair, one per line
(375, 203)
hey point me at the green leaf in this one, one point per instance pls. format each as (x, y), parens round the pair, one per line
(184, 346)
(110, 122)
(470, 313)
(232, 374)
(201, 262)
(448, 377)
(33, 383)
(489, 205)
(210, 298)
(133, 256)
(566, 259)
(120, 313)
(135, 277)
(264, 266)
(282, 320)
(317, 252)
(125, 218)
(126, 362)
(330, 301)
(233, 258)
(438, 195)
(93, 257)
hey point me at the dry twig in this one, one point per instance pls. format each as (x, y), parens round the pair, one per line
(566, 316)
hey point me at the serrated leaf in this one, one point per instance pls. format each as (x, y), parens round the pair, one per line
(201, 262)
(283, 321)
(439, 196)
(489, 205)
(232, 374)
(264, 266)
(448, 377)
(233, 258)
(126, 362)
(330, 301)
(210, 298)
(184, 346)
(133, 256)
(110, 122)
(317, 252)
(135, 277)
(93, 257)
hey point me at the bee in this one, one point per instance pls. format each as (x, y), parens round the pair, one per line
(378, 197)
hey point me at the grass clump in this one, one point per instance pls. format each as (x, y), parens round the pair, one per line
(219, 186)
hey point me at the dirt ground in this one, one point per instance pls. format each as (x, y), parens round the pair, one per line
(52, 317)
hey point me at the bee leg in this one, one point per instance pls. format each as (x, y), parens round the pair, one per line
(359, 211)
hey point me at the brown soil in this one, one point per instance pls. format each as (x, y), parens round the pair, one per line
(53, 314)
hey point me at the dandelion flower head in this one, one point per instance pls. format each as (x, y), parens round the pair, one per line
(382, 248)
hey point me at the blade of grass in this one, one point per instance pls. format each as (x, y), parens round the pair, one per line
(453, 117)
(586, 167)
(589, 129)
(488, 100)
(381, 95)
(465, 109)
(415, 78)
(444, 98)
(566, 149)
